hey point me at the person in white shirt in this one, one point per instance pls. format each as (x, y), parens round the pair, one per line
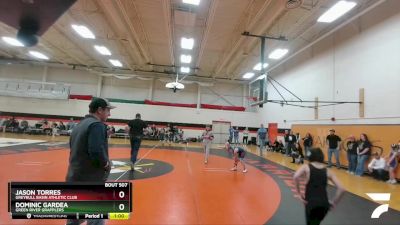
(377, 167)
(207, 140)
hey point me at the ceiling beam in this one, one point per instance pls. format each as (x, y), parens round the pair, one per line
(232, 49)
(107, 27)
(24, 50)
(48, 43)
(171, 29)
(303, 26)
(146, 51)
(114, 24)
(79, 42)
(252, 43)
(209, 22)
(3, 52)
(45, 46)
(132, 33)
(99, 70)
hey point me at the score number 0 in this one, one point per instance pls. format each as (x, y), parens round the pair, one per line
(121, 194)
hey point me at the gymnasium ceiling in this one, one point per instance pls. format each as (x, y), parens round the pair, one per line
(145, 34)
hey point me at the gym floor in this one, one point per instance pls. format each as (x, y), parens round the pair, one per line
(172, 185)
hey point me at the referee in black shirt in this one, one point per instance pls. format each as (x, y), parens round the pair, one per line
(136, 127)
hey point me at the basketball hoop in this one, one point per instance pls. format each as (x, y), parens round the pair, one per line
(257, 93)
(252, 101)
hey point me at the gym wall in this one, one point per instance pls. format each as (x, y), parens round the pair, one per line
(363, 54)
(86, 83)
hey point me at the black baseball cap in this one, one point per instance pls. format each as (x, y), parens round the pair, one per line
(100, 103)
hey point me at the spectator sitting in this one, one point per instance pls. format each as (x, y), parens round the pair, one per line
(39, 124)
(274, 144)
(278, 146)
(46, 128)
(12, 121)
(297, 154)
(71, 124)
(54, 128)
(23, 126)
(377, 167)
(113, 129)
(109, 131)
(153, 130)
(61, 126)
(13, 124)
(161, 134)
(6, 123)
(148, 132)
(181, 135)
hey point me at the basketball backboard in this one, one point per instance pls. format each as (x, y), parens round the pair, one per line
(257, 90)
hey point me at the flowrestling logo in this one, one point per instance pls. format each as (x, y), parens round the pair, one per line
(379, 197)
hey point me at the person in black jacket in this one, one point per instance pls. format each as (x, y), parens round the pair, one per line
(290, 140)
(88, 160)
(135, 128)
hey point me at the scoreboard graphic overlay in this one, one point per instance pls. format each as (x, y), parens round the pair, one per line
(59, 200)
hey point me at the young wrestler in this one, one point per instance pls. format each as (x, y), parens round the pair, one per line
(315, 198)
(392, 163)
(207, 141)
(238, 156)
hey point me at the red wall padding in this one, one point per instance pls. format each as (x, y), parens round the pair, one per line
(222, 107)
(203, 106)
(81, 97)
(148, 102)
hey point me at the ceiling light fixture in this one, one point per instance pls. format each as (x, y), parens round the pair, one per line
(258, 66)
(185, 69)
(102, 50)
(38, 55)
(115, 62)
(336, 11)
(278, 53)
(186, 58)
(192, 2)
(83, 31)
(187, 43)
(248, 75)
(12, 41)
